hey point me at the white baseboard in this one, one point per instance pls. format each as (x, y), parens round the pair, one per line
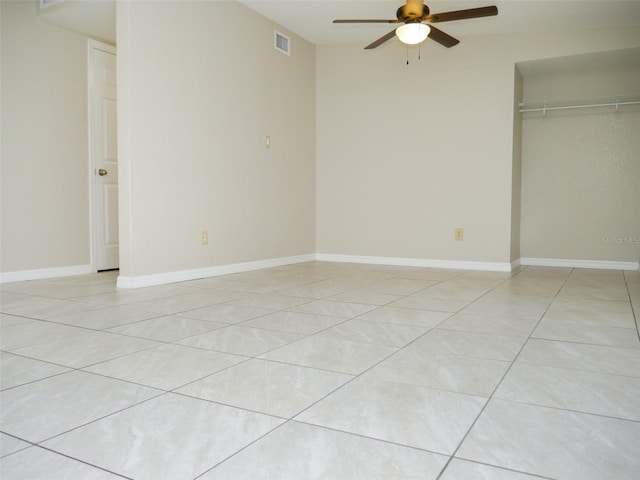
(416, 262)
(184, 275)
(599, 264)
(181, 276)
(21, 276)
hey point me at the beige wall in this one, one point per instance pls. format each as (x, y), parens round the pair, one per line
(581, 174)
(196, 99)
(516, 172)
(404, 154)
(408, 153)
(45, 213)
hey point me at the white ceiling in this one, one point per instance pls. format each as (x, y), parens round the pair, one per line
(629, 57)
(96, 18)
(312, 19)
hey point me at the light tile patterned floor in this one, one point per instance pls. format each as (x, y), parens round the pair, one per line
(324, 371)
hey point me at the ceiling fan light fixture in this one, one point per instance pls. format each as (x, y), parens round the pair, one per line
(413, 33)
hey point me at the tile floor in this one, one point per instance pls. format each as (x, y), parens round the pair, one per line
(324, 371)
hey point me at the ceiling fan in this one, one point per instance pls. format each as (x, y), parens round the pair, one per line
(414, 31)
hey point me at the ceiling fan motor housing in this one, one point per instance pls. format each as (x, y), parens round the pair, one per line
(416, 12)
(410, 13)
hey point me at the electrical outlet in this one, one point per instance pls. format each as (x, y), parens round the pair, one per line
(204, 237)
(459, 235)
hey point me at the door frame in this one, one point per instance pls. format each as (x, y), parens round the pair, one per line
(92, 45)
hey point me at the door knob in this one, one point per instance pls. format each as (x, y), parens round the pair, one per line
(102, 172)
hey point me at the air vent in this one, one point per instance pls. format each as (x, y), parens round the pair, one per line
(49, 3)
(281, 42)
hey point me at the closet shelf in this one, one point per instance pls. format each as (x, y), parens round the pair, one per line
(614, 101)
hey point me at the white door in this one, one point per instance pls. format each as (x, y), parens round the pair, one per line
(104, 154)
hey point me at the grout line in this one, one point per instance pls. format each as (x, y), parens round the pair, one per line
(153, 397)
(491, 396)
(633, 311)
(83, 462)
(301, 272)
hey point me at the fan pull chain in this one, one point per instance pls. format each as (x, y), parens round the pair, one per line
(419, 54)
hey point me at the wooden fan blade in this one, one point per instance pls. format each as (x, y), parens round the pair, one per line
(367, 21)
(442, 38)
(462, 14)
(381, 40)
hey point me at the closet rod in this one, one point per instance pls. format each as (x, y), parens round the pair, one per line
(615, 101)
